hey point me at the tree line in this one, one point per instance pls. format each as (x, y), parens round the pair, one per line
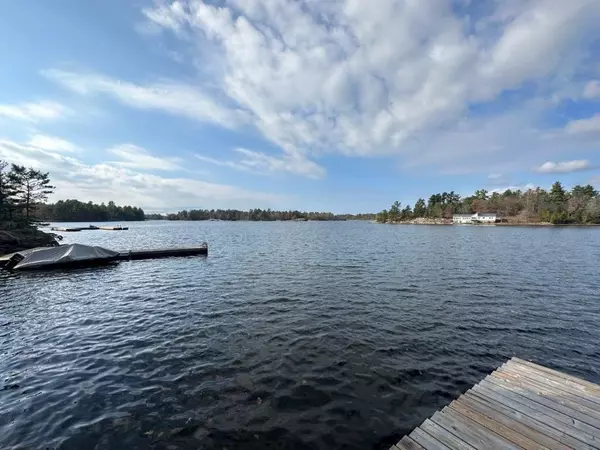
(76, 211)
(22, 190)
(580, 205)
(256, 215)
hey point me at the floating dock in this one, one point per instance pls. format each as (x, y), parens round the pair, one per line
(521, 405)
(71, 230)
(78, 255)
(134, 255)
(90, 228)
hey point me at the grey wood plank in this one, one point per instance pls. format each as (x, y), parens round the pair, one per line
(501, 430)
(427, 441)
(508, 433)
(408, 444)
(532, 395)
(565, 424)
(470, 432)
(551, 393)
(537, 431)
(569, 435)
(444, 436)
(556, 373)
(592, 397)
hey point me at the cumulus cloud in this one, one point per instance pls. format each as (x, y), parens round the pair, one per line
(104, 182)
(591, 125)
(564, 166)
(33, 112)
(262, 163)
(135, 157)
(350, 77)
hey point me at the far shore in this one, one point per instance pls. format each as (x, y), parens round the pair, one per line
(448, 222)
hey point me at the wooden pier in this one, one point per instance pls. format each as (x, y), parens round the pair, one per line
(134, 255)
(90, 228)
(521, 405)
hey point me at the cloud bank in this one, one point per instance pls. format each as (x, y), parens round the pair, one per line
(456, 84)
(118, 181)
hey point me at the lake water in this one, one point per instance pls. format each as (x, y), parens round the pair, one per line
(288, 335)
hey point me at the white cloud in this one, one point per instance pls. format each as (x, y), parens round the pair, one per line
(262, 163)
(363, 80)
(174, 98)
(33, 112)
(590, 125)
(51, 143)
(134, 157)
(104, 182)
(522, 188)
(348, 77)
(564, 166)
(592, 90)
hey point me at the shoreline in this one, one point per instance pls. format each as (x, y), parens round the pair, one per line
(18, 239)
(447, 222)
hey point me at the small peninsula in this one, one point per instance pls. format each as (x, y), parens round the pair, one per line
(536, 206)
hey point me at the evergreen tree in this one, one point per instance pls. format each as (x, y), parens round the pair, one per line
(420, 208)
(557, 194)
(394, 213)
(31, 187)
(6, 192)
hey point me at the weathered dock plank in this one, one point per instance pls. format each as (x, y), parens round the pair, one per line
(407, 444)
(522, 405)
(552, 394)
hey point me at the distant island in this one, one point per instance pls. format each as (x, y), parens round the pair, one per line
(580, 205)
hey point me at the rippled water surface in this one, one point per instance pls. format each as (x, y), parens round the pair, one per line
(288, 335)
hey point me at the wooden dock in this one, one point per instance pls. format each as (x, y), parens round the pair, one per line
(521, 405)
(90, 228)
(134, 255)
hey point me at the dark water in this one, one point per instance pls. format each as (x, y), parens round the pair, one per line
(289, 335)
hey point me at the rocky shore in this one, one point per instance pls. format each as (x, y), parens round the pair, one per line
(422, 221)
(14, 240)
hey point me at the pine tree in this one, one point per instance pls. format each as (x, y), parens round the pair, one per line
(558, 195)
(6, 192)
(420, 208)
(30, 188)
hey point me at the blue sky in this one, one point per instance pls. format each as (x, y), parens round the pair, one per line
(331, 105)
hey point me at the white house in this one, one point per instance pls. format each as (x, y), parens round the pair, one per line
(475, 218)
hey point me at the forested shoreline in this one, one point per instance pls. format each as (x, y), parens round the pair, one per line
(580, 205)
(256, 215)
(76, 211)
(22, 189)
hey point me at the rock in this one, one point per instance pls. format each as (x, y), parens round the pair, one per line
(23, 239)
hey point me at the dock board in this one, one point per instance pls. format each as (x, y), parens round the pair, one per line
(521, 405)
